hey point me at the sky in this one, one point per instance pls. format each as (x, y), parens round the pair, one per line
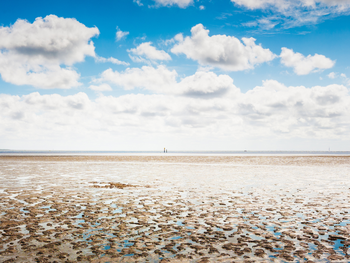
(138, 75)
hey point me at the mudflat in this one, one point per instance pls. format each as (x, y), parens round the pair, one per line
(174, 208)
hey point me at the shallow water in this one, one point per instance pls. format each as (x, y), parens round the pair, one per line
(183, 208)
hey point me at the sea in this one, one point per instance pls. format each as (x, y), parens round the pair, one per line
(169, 152)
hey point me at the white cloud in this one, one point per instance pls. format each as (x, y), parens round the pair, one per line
(120, 34)
(202, 84)
(304, 65)
(49, 40)
(146, 50)
(155, 79)
(206, 85)
(32, 53)
(112, 60)
(297, 111)
(332, 75)
(179, 3)
(19, 71)
(102, 87)
(271, 110)
(226, 52)
(201, 7)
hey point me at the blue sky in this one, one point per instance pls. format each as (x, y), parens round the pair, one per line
(181, 74)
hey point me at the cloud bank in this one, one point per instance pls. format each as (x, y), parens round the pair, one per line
(271, 110)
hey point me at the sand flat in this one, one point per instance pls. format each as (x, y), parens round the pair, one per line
(247, 160)
(174, 208)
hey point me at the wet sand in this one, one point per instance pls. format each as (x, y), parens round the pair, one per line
(174, 208)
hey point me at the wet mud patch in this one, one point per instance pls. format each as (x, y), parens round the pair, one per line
(112, 185)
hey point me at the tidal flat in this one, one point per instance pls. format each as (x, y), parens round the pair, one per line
(174, 208)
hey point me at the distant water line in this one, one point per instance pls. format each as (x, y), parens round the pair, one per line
(233, 153)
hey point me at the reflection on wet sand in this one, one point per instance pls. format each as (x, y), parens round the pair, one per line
(174, 209)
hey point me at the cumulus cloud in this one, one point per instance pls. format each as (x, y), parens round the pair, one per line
(304, 65)
(206, 85)
(226, 52)
(293, 13)
(297, 111)
(270, 110)
(49, 40)
(36, 51)
(147, 51)
(120, 34)
(202, 84)
(179, 3)
(317, 101)
(19, 71)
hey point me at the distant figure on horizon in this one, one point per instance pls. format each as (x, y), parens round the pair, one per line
(164, 149)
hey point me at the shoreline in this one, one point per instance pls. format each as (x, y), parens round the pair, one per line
(222, 159)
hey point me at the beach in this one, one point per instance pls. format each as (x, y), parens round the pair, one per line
(174, 208)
